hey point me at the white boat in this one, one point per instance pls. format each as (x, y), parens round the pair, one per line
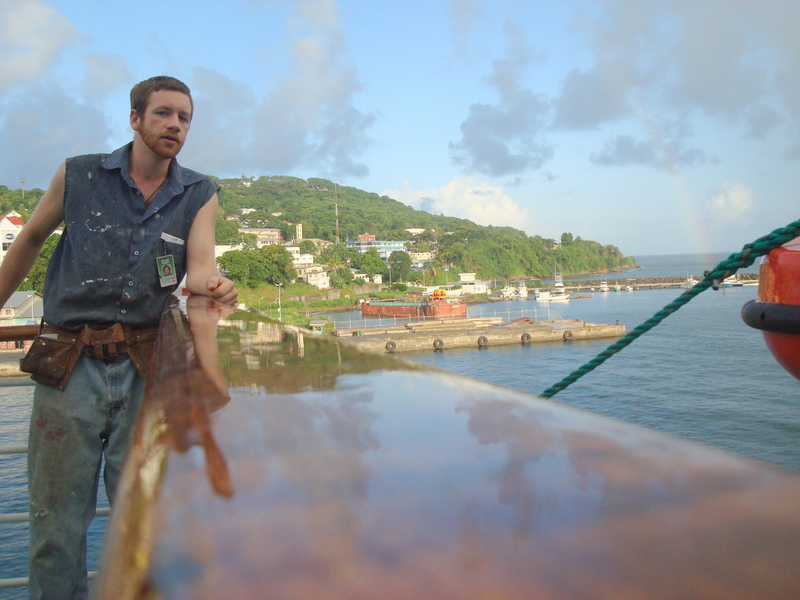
(557, 294)
(732, 281)
(508, 292)
(603, 286)
(689, 283)
(521, 292)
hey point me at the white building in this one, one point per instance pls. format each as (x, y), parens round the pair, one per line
(314, 274)
(470, 285)
(11, 224)
(319, 279)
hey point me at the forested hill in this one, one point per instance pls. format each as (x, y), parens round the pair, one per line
(463, 246)
(492, 252)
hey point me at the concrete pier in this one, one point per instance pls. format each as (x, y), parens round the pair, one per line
(473, 333)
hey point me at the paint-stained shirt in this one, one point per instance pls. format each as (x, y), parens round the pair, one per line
(104, 267)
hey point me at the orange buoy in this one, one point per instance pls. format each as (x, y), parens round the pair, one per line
(776, 312)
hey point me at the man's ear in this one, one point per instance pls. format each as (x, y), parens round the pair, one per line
(135, 121)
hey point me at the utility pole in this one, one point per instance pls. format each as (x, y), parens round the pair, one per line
(22, 183)
(336, 204)
(280, 317)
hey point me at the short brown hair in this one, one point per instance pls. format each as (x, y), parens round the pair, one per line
(140, 93)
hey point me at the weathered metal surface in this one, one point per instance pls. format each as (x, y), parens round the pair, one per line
(302, 468)
(18, 333)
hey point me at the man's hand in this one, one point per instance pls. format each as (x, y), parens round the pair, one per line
(222, 289)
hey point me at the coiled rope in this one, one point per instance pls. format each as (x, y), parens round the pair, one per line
(711, 279)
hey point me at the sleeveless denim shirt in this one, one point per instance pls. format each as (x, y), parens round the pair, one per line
(104, 269)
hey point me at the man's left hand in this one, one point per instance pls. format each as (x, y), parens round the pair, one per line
(222, 289)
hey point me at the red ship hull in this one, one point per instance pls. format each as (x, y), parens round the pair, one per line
(413, 308)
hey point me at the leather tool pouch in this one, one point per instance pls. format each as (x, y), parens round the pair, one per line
(141, 348)
(52, 358)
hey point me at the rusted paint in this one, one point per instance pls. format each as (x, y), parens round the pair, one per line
(18, 333)
(324, 472)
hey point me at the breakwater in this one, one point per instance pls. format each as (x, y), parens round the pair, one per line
(473, 333)
(646, 283)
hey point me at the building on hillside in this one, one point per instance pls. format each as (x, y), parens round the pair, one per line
(376, 278)
(415, 230)
(11, 224)
(265, 237)
(219, 250)
(22, 308)
(299, 259)
(420, 260)
(470, 285)
(314, 274)
(320, 244)
(384, 248)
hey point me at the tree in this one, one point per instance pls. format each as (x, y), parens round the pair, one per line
(246, 267)
(35, 279)
(308, 247)
(371, 262)
(227, 232)
(280, 268)
(341, 277)
(249, 241)
(340, 255)
(399, 265)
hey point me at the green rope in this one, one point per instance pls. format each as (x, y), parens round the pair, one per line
(711, 279)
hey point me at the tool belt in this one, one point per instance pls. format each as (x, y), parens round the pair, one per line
(55, 352)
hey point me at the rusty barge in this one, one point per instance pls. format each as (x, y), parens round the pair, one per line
(436, 306)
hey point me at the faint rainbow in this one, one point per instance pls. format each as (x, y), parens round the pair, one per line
(665, 158)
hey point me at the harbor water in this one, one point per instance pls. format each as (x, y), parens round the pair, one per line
(701, 375)
(15, 410)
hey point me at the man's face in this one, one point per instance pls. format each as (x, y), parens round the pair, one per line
(165, 122)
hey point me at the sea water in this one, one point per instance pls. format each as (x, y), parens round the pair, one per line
(702, 374)
(15, 410)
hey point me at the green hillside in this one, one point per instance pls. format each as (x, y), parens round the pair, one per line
(463, 246)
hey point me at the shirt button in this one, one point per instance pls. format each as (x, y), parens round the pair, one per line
(130, 283)
(136, 253)
(123, 311)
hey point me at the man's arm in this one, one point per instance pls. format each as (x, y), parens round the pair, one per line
(202, 275)
(48, 215)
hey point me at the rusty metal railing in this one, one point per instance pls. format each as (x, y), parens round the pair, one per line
(271, 462)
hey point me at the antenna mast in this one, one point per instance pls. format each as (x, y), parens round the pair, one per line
(336, 204)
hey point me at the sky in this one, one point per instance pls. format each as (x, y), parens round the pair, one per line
(658, 126)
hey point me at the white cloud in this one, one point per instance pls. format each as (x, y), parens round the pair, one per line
(32, 37)
(466, 198)
(105, 74)
(733, 203)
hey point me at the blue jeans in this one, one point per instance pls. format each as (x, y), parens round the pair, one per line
(70, 433)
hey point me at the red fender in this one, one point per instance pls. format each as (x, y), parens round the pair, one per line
(779, 304)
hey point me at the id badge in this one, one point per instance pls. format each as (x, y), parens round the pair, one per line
(166, 270)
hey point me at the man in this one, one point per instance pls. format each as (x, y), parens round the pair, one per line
(126, 216)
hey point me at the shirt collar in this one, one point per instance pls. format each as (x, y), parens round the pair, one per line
(177, 178)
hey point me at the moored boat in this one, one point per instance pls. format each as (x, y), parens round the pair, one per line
(437, 306)
(557, 294)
